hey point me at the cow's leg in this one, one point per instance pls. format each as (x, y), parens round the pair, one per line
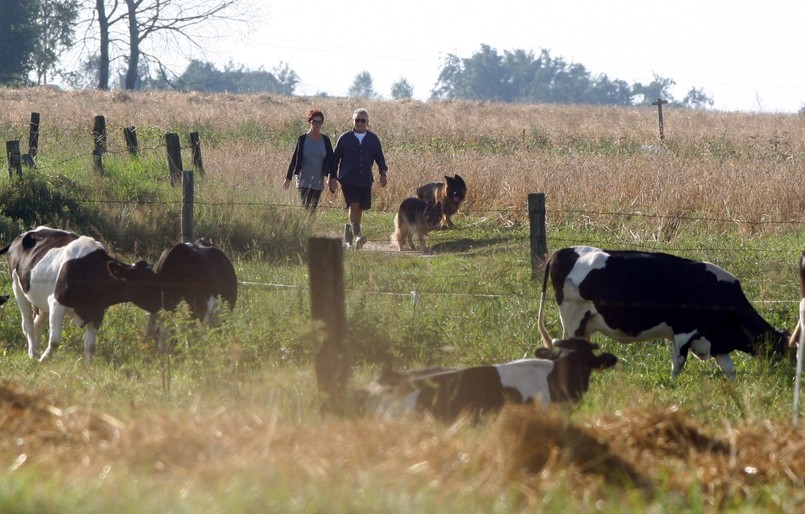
(211, 317)
(575, 321)
(56, 318)
(156, 329)
(40, 318)
(679, 352)
(90, 335)
(27, 315)
(724, 362)
(152, 326)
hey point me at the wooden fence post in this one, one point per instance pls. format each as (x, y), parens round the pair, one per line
(188, 199)
(659, 103)
(130, 136)
(100, 145)
(195, 146)
(334, 357)
(174, 157)
(14, 158)
(539, 243)
(33, 140)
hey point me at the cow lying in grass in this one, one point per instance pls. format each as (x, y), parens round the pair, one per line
(555, 376)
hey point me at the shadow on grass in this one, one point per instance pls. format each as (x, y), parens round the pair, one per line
(465, 244)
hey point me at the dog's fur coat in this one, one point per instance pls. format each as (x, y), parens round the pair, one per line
(451, 194)
(418, 217)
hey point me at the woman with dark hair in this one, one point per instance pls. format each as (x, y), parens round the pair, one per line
(310, 162)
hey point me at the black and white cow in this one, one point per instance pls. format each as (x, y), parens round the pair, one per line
(561, 376)
(198, 273)
(634, 296)
(56, 273)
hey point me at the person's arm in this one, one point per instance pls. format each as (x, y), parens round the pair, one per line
(380, 159)
(297, 154)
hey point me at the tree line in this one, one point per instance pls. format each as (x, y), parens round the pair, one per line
(124, 43)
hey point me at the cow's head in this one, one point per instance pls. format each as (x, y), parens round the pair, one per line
(574, 362)
(145, 289)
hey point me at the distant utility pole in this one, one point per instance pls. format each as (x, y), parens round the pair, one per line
(658, 102)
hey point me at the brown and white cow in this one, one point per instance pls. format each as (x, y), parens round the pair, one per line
(635, 296)
(198, 273)
(556, 376)
(56, 273)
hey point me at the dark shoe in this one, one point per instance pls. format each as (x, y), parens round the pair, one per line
(359, 242)
(347, 235)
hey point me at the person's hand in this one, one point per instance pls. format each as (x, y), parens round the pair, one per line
(383, 181)
(333, 182)
(286, 184)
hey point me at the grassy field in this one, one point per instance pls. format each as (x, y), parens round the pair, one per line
(239, 428)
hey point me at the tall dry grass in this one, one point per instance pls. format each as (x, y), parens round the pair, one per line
(525, 460)
(249, 448)
(721, 166)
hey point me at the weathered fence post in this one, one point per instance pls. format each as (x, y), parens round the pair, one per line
(659, 103)
(195, 147)
(14, 158)
(539, 243)
(100, 145)
(33, 141)
(327, 309)
(188, 199)
(130, 136)
(174, 157)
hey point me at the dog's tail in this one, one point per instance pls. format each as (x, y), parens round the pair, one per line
(547, 340)
(396, 236)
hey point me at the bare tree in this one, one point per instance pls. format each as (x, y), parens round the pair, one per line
(104, 22)
(149, 32)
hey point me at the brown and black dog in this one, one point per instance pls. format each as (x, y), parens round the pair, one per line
(450, 194)
(418, 217)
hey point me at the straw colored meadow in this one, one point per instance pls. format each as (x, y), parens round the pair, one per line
(231, 422)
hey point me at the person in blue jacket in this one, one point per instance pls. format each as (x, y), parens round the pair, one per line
(356, 151)
(310, 162)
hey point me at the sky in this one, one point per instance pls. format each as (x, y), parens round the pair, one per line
(745, 55)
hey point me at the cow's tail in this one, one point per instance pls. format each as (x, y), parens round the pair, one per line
(547, 340)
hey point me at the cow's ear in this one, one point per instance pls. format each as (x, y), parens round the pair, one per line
(544, 353)
(604, 361)
(116, 269)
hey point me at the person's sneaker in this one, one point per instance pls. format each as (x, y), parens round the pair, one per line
(359, 242)
(348, 235)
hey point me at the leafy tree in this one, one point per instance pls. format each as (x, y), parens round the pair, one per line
(362, 86)
(402, 90)
(204, 76)
(520, 76)
(697, 99)
(286, 77)
(657, 88)
(56, 20)
(18, 39)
